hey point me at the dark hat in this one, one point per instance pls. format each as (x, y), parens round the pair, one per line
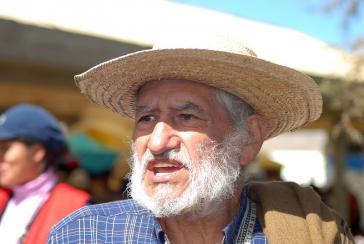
(27, 121)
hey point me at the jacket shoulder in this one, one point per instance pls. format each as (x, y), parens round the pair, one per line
(71, 191)
(63, 200)
(289, 211)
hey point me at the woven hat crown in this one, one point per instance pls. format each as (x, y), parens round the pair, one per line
(223, 43)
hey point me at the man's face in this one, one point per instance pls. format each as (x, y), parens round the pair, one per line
(175, 118)
(17, 163)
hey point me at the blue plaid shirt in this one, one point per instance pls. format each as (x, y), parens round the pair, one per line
(128, 222)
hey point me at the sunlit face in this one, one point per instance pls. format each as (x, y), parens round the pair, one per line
(176, 115)
(17, 163)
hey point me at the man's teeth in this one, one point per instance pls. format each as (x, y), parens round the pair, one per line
(164, 165)
(161, 174)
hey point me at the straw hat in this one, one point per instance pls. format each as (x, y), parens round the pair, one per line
(286, 98)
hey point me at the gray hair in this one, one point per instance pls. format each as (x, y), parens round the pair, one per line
(238, 109)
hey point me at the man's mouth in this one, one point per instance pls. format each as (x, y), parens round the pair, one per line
(162, 171)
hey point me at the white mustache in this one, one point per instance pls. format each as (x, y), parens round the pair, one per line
(176, 155)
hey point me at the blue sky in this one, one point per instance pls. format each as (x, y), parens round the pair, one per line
(303, 15)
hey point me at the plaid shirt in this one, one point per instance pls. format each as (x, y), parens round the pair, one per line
(127, 222)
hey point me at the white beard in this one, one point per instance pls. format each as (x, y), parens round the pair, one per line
(212, 181)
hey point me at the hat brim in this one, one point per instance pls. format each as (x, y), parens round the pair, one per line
(6, 135)
(286, 98)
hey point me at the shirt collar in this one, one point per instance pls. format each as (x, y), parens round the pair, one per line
(230, 230)
(159, 231)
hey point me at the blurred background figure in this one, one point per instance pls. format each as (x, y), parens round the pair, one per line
(32, 199)
(265, 169)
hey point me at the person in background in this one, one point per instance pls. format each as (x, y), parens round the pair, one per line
(32, 199)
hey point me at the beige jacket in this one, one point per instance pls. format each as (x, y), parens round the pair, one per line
(291, 214)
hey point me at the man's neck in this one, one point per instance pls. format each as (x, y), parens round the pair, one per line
(208, 229)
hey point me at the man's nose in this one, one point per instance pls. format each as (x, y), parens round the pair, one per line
(163, 138)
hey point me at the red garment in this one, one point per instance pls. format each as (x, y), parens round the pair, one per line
(4, 198)
(63, 200)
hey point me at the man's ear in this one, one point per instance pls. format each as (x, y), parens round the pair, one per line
(257, 128)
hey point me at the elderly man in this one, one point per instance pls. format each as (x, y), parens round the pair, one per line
(202, 110)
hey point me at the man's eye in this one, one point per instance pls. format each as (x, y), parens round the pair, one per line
(187, 116)
(146, 118)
